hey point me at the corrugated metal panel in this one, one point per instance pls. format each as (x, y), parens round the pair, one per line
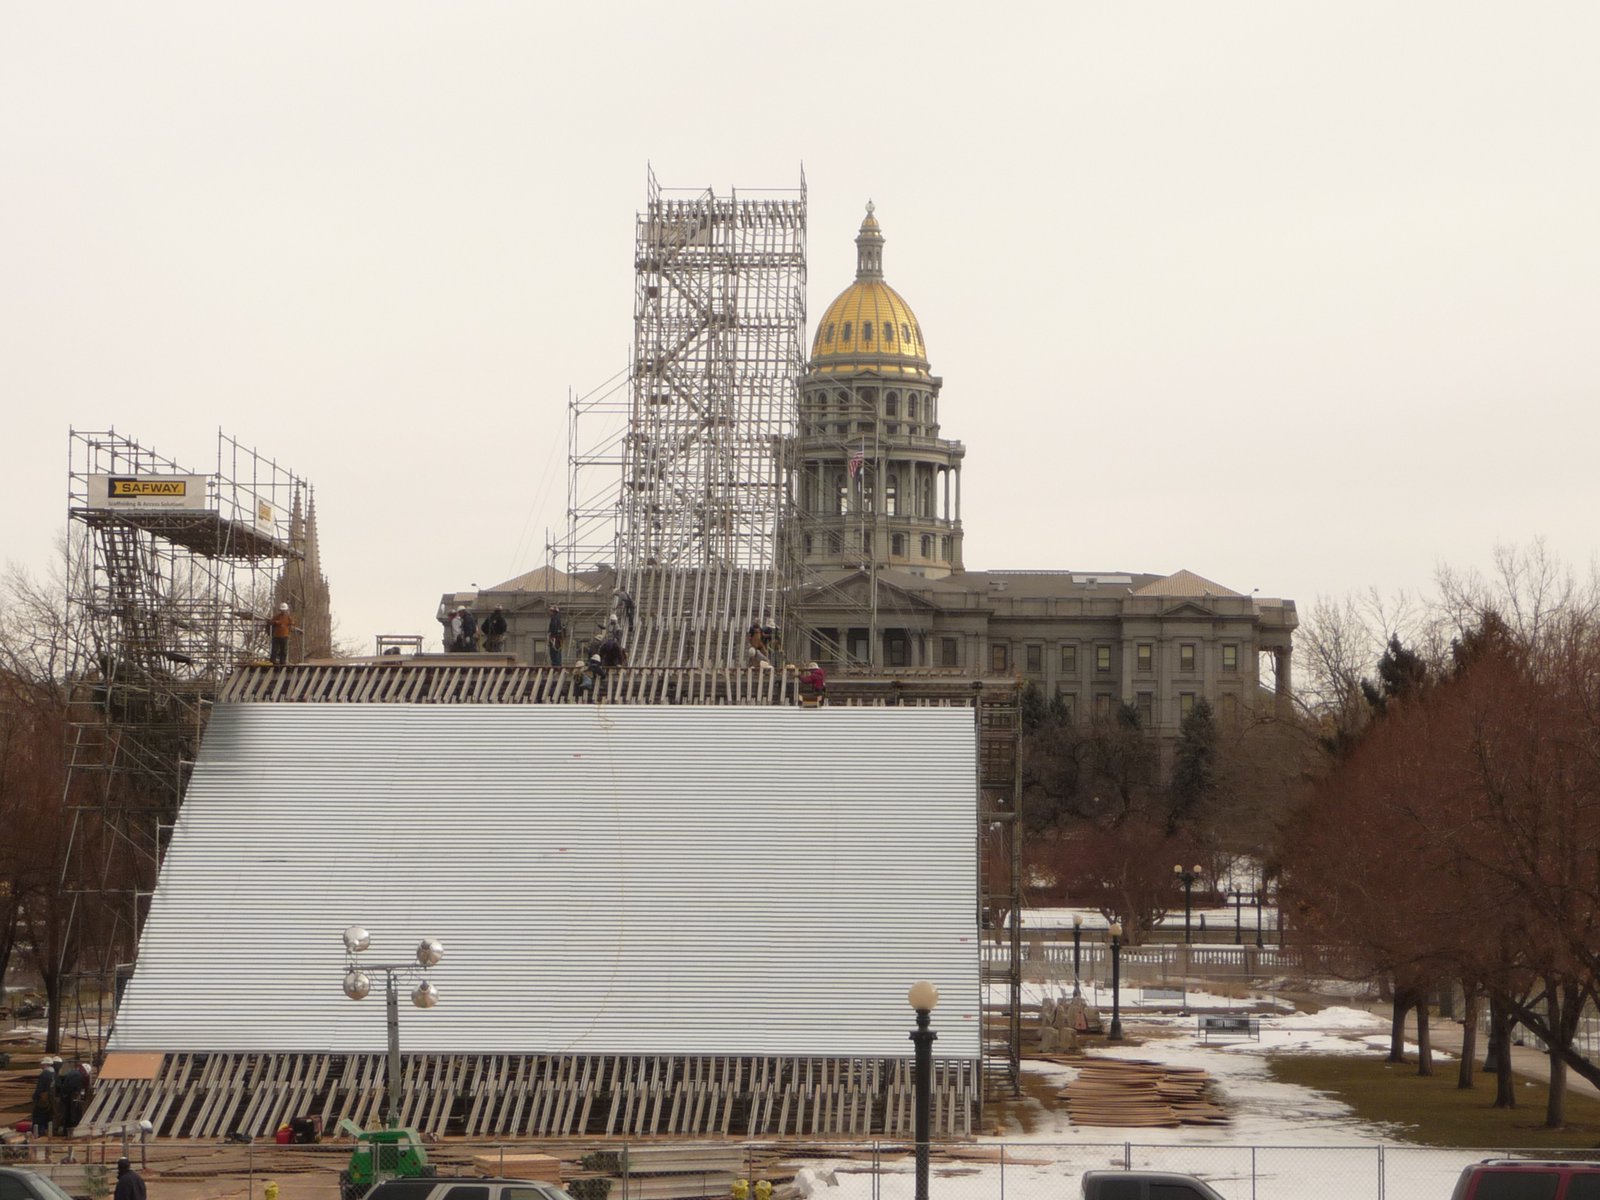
(606, 879)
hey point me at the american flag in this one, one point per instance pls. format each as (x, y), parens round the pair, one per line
(856, 459)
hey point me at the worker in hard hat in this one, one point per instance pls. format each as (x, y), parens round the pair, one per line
(557, 635)
(282, 625)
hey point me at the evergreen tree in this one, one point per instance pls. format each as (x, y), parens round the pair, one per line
(1194, 766)
(1035, 712)
(1401, 673)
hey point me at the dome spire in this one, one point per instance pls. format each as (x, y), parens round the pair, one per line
(869, 248)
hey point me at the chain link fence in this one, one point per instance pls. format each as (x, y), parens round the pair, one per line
(797, 1170)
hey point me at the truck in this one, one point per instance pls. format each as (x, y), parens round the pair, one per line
(1146, 1185)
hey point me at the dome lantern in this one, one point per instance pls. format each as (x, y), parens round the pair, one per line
(869, 248)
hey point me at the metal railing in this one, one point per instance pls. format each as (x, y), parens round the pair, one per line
(854, 1170)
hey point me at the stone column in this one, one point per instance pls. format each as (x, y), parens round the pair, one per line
(1285, 685)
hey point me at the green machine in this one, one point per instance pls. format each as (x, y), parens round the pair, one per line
(381, 1154)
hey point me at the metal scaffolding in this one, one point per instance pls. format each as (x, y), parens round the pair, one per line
(597, 449)
(719, 348)
(171, 577)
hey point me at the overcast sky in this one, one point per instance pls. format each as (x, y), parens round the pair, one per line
(1299, 296)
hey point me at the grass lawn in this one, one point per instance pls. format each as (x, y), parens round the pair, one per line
(1433, 1112)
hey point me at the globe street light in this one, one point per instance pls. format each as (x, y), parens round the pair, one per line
(358, 985)
(1187, 878)
(1116, 983)
(923, 998)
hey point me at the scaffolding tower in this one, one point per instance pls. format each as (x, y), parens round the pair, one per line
(171, 577)
(719, 347)
(684, 487)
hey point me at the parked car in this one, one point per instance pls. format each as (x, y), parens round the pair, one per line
(1528, 1179)
(467, 1187)
(1145, 1185)
(19, 1183)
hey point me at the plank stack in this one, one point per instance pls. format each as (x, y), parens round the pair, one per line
(1135, 1093)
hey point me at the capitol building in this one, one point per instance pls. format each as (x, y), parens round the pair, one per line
(879, 573)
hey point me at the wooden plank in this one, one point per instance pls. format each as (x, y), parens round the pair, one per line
(591, 1085)
(124, 1064)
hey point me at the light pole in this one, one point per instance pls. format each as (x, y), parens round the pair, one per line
(923, 998)
(357, 985)
(1238, 917)
(1259, 942)
(1077, 953)
(1187, 878)
(1116, 984)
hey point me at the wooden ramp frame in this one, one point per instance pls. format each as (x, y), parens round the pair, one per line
(538, 1095)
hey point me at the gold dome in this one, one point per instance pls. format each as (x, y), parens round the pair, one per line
(869, 327)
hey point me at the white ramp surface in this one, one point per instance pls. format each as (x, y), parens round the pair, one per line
(605, 880)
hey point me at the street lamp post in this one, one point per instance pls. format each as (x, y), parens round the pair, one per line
(358, 984)
(1077, 954)
(1116, 983)
(1259, 942)
(1187, 878)
(923, 998)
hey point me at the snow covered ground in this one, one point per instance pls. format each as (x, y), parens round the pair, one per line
(1284, 1142)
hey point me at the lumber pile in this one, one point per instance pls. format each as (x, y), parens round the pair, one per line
(669, 1172)
(544, 1167)
(1134, 1093)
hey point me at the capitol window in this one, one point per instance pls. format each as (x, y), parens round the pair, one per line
(866, 331)
(949, 652)
(905, 333)
(888, 332)
(1230, 657)
(827, 335)
(911, 407)
(1186, 656)
(891, 405)
(844, 332)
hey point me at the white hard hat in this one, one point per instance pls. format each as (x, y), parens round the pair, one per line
(283, 608)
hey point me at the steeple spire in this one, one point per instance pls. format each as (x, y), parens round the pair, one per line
(869, 248)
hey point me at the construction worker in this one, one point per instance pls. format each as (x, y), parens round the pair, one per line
(494, 630)
(594, 674)
(282, 625)
(44, 1093)
(557, 635)
(623, 598)
(813, 681)
(129, 1185)
(611, 651)
(756, 637)
(70, 1086)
